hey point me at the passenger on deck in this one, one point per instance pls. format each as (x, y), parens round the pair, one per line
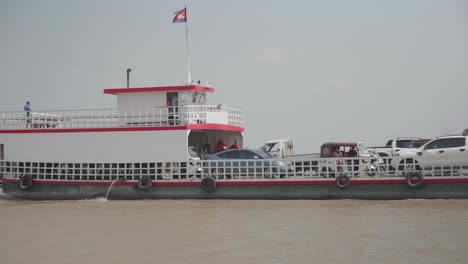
(174, 101)
(207, 147)
(235, 145)
(28, 109)
(352, 152)
(220, 146)
(336, 152)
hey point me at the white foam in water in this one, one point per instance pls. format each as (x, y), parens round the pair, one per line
(98, 199)
(102, 199)
(108, 190)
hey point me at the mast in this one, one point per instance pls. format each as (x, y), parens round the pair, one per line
(181, 16)
(189, 78)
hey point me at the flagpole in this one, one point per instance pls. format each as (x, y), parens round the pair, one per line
(189, 79)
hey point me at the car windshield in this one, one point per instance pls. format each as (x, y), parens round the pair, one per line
(389, 144)
(270, 147)
(262, 154)
(363, 148)
(404, 143)
(418, 143)
(243, 154)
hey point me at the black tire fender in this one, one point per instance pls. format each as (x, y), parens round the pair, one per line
(343, 181)
(25, 182)
(144, 183)
(414, 179)
(208, 185)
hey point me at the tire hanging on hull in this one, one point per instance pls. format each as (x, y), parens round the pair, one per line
(25, 182)
(208, 185)
(343, 181)
(414, 179)
(144, 183)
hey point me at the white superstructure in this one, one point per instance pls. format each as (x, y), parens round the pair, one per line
(150, 123)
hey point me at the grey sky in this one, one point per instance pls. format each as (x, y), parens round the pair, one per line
(312, 71)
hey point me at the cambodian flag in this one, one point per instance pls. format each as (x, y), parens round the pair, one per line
(180, 16)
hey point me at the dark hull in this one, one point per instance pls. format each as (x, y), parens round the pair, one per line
(275, 189)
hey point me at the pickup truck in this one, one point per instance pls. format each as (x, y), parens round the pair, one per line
(394, 146)
(284, 149)
(445, 151)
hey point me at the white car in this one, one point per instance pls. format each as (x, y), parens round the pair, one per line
(441, 151)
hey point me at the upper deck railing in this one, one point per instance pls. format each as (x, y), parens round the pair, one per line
(110, 118)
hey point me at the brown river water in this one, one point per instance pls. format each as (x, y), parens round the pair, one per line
(234, 231)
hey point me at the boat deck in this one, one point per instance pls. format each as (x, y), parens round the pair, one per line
(111, 118)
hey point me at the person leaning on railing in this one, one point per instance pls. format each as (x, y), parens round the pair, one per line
(28, 110)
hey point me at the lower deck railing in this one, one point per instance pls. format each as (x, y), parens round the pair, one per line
(229, 169)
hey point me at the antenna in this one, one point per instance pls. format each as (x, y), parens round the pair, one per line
(128, 77)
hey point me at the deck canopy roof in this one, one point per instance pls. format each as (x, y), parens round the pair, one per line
(159, 89)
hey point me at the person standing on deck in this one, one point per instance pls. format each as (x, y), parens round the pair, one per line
(174, 101)
(28, 109)
(352, 152)
(220, 146)
(175, 109)
(234, 146)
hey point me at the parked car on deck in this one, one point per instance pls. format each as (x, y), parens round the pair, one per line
(445, 151)
(396, 145)
(246, 162)
(284, 149)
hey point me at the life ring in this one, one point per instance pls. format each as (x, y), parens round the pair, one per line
(144, 183)
(208, 185)
(414, 179)
(343, 181)
(25, 182)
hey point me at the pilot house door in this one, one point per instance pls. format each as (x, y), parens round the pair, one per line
(172, 99)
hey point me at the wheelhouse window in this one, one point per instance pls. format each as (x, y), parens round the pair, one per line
(198, 98)
(172, 99)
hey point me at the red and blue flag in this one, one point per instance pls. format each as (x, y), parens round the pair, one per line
(180, 16)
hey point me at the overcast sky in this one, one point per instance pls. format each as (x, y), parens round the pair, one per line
(313, 71)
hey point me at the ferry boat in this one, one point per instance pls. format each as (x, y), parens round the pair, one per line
(148, 146)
